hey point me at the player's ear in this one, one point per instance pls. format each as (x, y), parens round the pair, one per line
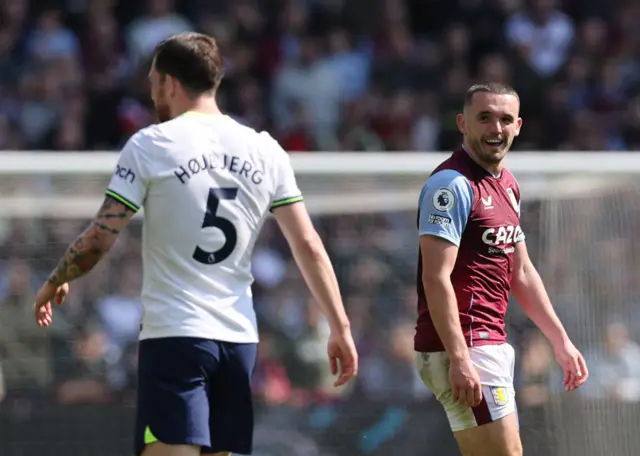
(518, 126)
(461, 124)
(170, 86)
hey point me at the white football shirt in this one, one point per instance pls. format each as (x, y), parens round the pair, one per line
(206, 184)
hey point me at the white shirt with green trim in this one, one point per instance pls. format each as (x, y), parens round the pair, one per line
(206, 184)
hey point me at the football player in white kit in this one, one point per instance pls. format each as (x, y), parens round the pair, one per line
(206, 184)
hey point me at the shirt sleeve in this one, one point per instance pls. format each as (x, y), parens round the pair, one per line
(445, 204)
(129, 181)
(286, 186)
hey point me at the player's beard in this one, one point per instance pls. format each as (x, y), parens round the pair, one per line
(490, 155)
(163, 112)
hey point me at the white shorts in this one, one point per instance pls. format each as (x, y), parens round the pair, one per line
(495, 365)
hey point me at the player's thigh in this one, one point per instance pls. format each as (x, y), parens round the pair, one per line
(172, 404)
(162, 449)
(497, 438)
(230, 399)
(490, 428)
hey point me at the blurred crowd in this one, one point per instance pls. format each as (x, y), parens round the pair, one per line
(365, 75)
(327, 74)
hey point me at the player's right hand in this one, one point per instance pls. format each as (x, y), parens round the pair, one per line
(465, 383)
(42, 306)
(343, 356)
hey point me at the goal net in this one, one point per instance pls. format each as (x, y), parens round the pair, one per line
(71, 389)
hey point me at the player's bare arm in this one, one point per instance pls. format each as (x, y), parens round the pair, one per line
(532, 296)
(91, 246)
(314, 263)
(82, 255)
(438, 260)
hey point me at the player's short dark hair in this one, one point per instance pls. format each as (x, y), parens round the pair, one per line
(497, 88)
(194, 59)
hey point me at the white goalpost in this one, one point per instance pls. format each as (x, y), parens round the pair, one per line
(581, 215)
(364, 181)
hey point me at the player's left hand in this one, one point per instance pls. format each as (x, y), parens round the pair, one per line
(573, 365)
(42, 307)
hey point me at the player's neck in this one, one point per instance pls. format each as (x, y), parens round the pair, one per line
(202, 105)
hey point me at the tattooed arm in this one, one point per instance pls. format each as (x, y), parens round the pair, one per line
(93, 243)
(126, 192)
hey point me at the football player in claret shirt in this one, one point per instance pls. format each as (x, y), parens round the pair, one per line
(472, 255)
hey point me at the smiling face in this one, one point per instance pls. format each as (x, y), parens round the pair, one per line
(489, 124)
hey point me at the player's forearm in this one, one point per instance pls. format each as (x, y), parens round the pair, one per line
(93, 243)
(80, 257)
(443, 308)
(316, 268)
(530, 292)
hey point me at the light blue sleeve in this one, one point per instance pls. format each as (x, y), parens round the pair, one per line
(445, 204)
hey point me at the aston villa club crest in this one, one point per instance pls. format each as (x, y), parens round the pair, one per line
(514, 200)
(500, 396)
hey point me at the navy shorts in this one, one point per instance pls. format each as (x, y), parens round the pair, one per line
(195, 392)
